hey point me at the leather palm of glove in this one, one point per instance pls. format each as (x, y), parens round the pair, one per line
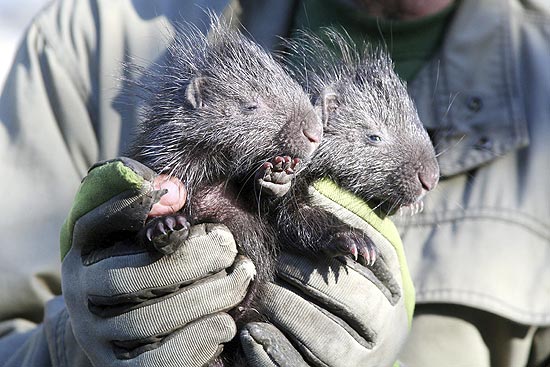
(128, 306)
(335, 311)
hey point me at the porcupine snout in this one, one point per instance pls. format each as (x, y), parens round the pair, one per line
(428, 175)
(312, 130)
(428, 179)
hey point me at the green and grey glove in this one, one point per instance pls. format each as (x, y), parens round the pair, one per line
(128, 306)
(336, 312)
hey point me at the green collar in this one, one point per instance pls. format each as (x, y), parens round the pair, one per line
(410, 43)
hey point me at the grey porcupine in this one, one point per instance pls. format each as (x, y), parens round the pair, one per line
(374, 145)
(216, 113)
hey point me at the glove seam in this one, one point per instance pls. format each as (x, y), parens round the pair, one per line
(367, 341)
(309, 355)
(146, 297)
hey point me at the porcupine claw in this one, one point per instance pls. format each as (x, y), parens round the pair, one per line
(165, 234)
(353, 243)
(275, 177)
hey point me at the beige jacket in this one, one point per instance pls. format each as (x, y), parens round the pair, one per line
(483, 239)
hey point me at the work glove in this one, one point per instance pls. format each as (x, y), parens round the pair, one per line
(335, 311)
(130, 306)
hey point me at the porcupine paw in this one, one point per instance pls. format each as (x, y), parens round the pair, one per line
(165, 234)
(356, 244)
(275, 176)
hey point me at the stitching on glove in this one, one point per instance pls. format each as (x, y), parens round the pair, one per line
(363, 335)
(111, 306)
(308, 355)
(380, 276)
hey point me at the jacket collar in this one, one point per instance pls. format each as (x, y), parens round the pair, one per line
(468, 96)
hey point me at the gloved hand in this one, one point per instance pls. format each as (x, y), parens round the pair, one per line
(336, 311)
(128, 306)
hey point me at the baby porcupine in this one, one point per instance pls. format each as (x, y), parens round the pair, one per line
(228, 120)
(374, 145)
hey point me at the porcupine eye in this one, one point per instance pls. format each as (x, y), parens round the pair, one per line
(250, 107)
(374, 139)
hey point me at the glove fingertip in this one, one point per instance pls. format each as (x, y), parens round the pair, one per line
(265, 345)
(245, 266)
(104, 181)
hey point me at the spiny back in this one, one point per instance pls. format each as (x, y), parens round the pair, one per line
(362, 76)
(222, 100)
(234, 64)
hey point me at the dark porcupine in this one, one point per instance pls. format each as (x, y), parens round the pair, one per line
(217, 112)
(224, 117)
(374, 145)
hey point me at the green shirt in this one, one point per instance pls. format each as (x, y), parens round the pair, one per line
(410, 43)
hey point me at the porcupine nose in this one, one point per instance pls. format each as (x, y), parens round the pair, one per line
(312, 135)
(428, 178)
(312, 128)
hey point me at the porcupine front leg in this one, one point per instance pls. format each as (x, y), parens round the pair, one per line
(164, 234)
(275, 176)
(354, 243)
(319, 231)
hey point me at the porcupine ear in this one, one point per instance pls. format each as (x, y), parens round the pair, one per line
(195, 91)
(329, 103)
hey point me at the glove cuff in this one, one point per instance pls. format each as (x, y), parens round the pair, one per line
(326, 189)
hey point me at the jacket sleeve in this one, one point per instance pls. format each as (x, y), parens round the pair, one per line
(46, 143)
(52, 343)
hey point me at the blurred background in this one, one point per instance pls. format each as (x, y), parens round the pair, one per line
(15, 16)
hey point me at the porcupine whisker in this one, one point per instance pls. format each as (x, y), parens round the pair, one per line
(450, 147)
